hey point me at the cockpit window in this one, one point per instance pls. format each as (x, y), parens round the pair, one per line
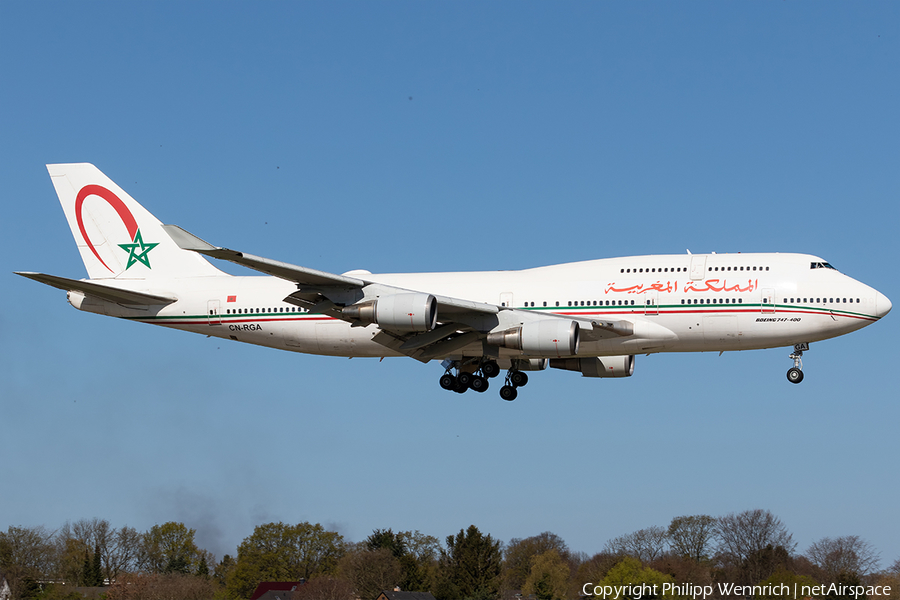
(821, 265)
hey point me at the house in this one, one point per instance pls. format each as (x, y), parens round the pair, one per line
(275, 590)
(396, 594)
(5, 592)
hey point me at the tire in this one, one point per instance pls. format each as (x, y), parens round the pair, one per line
(508, 393)
(518, 378)
(795, 375)
(479, 384)
(448, 381)
(490, 369)
(465, 379)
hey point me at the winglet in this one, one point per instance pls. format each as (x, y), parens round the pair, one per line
(186, 240)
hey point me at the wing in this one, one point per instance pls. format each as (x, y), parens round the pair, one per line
(454, 324)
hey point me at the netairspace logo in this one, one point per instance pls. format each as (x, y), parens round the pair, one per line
(645, 590)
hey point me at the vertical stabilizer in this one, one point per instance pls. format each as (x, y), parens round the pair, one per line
(117, 237)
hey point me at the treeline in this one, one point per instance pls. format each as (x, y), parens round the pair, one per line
(749, 548)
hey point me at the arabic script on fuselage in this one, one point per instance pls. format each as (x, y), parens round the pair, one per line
(708, 285)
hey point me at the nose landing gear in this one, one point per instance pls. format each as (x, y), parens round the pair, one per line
(795, 373)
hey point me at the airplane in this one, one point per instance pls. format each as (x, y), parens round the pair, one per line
(591, 317)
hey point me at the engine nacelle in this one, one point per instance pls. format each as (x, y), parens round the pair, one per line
(523, 364)
(549, 337)
(605, 366)
(398, 312)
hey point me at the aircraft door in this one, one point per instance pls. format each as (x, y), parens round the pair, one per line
(767, 300)
(651, 303)
(506, 299)
(698, 266)
(214, 312)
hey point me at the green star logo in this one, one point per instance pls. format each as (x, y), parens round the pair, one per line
(138, 250)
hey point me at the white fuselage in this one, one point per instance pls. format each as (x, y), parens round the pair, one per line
(677, 303)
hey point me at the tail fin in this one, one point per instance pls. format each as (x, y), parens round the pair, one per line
(117, 237)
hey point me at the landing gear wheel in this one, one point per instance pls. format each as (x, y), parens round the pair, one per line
(479, 384)
(508, 392)
(448, 381)
(460, 388)
(518, 378)
(795, 375)
(465, 379)
(490, 369)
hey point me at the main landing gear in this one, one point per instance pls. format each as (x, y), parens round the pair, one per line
(514, 379)
(795, 373)
(475, 376)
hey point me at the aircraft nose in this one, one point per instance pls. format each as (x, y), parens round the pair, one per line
(882, 305)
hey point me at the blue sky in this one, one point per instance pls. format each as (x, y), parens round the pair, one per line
(411, 136)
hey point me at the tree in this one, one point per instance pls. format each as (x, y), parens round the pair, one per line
(548, 578)
(161, 586)
(280, 552)
(223, 569)
(169, 548)
(691, 536)
(785, 577)
(596, 567)
(385, 538)
(645, 545)
(371, 571)
(744, 538)
(419, 562)
(414, 551)
(325, 588)
(26, 556)
(203, 567)
(121, 553)
(469, 569)
(684, 570)
(97, 567)
(764, 563)
(849, 554)
(520, 553)
(630, 572)
(70, 555)
(106, 542)
(92, 572)
(853, 581)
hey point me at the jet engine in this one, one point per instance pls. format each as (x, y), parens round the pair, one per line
(604, 366)
(549, 337)
(405, 312)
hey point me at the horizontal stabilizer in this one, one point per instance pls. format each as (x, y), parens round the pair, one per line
(98, 290)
